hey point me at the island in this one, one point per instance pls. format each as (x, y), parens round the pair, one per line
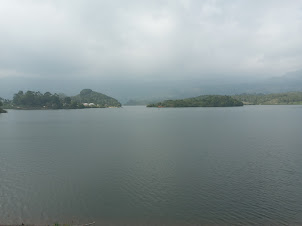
(31, 100)
(200, 101)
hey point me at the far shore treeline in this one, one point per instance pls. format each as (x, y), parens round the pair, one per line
(37, 100)
(201, 101)
(91, 99)
(289, 98)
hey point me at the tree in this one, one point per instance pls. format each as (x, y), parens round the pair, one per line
(67, 100)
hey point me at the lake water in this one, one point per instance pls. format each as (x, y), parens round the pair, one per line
(141, 166)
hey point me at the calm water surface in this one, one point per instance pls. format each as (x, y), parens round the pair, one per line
(137, 165)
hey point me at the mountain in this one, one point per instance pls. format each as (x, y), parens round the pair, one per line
(150, 89)
(89, 96)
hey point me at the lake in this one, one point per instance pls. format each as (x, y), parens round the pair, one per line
(149, 166)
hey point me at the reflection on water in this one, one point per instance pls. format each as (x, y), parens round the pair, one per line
(138, 165)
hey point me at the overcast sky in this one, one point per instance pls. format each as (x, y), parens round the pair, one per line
(149, 39)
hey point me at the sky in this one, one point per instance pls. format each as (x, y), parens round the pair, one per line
(143, 39)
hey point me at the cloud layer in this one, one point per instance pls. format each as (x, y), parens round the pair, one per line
(149, 39)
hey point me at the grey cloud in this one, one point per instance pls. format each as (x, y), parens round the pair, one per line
(147, 39)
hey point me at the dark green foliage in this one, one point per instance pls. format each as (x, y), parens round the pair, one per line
(89, 96)
(1, 110)
(37, 100)
(201, 101)
(67, 100)
(5, 103)
(74, 105)
(271, 99)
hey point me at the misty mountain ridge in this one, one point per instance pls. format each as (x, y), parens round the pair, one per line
(293, 75)
(148, 90)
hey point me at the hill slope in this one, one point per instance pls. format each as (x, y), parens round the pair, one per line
(89, 96)
(201, 101)
(271, 99)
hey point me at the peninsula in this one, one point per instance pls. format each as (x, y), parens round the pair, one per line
(31, 100)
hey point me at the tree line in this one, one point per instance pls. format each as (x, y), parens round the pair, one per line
(201, 101)
(271, 99)
(31, 99)
(47, 100)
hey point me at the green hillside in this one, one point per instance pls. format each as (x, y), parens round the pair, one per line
(270, 99)
(201, 101)
(89, 96)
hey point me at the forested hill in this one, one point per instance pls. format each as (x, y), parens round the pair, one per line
(201, 101)
(89, 96)
(270, 99)
(37, 100)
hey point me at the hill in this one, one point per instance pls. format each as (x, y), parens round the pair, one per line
(99, 99)
(271, 99)
(37, 100)
(201, 101)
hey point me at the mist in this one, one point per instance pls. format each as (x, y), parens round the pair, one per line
(176, 48)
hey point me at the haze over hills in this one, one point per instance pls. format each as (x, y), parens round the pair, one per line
(146, 90)
(66, 160)
(150, 50)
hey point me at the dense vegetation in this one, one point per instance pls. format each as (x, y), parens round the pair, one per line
(37, 100)
(201, 101)
(101, 100)
(1, 110)
(270, 99)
